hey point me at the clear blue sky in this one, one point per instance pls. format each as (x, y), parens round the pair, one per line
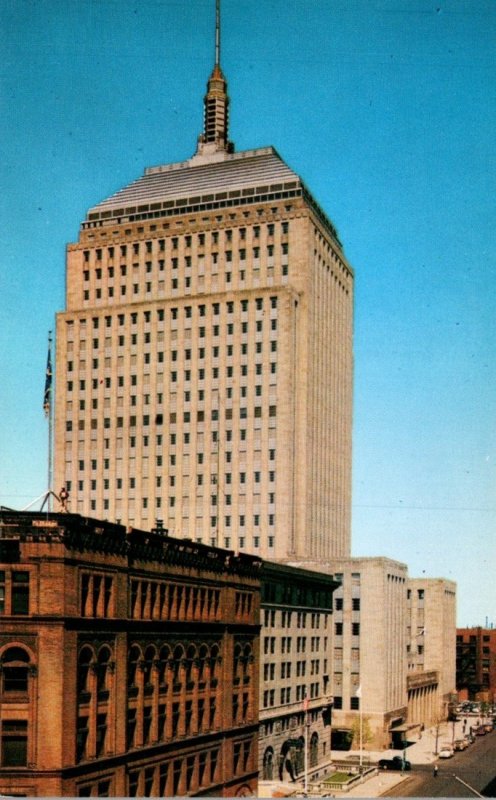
(387, 110)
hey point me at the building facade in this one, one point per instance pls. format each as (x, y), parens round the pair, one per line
(369, 652)
(129, 662)
(476, 664)
(295, 672)
(431, 649)
(204, 357)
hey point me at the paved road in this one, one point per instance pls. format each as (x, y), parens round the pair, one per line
(476, 766)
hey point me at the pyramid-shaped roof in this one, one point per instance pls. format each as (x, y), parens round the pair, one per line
(203, 182)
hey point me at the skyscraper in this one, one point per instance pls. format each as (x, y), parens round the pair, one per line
(204, 359)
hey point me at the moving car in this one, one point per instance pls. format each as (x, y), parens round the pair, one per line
(396, 762)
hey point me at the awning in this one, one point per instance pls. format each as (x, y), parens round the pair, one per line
(405, 727)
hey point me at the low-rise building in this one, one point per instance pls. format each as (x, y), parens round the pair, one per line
(129, 662)
(476, 664)
(296, 668)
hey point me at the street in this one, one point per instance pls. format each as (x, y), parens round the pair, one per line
(476, 766)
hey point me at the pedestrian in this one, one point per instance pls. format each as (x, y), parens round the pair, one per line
(435, 770)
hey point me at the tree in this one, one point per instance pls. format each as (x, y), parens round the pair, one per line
(367, 734)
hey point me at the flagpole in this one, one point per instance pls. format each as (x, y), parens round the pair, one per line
(360, 710)
(48, 408)
(305, 740)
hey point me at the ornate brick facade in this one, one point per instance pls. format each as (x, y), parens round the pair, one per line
(129, 662)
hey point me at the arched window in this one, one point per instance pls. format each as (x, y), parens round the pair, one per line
(214, 660)
(176, 666)
(268, 765)
(237, 656)
(202, 656)
(132, 665)
(190, 659)
(314, 750)
(164, 658)
(247, 658)
(299, 756)
(15, 669)
(150, 656)
(84, 662)
(104, 657)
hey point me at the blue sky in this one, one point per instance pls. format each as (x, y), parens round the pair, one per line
(387, 109)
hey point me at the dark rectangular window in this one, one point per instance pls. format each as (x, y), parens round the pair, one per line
(2, 591)
(20, 592)
(14, 743)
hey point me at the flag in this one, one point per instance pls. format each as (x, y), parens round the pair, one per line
(47, 397)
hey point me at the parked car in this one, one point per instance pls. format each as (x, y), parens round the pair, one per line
(480, 731)
(446, 751)
(460, 744)
(396, 762)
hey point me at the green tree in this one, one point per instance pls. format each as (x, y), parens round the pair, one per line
(367, 734)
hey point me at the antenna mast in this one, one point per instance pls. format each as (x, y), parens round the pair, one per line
(217, 33)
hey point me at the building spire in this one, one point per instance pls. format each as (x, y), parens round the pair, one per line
(217, 33)
(214, 139)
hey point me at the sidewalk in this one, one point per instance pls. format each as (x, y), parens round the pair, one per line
(421, 751)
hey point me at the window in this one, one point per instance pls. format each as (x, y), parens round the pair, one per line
(15, 663)
(14, 743)
(20, 592)
(338, 628)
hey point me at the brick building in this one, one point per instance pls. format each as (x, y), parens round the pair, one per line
(476, 664)
(129, 662)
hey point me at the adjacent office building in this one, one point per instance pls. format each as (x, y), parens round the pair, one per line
(431, 654)
(296, 672)
(369, 652)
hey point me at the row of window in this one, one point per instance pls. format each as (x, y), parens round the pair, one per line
(106, 383)
(355, 604)
(269, 644)
(286, 617)
(134, 339)
(202, 310)
(187, 261)
(187, 241)
(339, 627)
(244, 413)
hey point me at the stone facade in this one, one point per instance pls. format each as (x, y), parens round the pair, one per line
(431, 648)
(369, 651)
(204, 361)
(129, 662)
(295, 672)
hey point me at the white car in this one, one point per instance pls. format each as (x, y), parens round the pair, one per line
(446, 752)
